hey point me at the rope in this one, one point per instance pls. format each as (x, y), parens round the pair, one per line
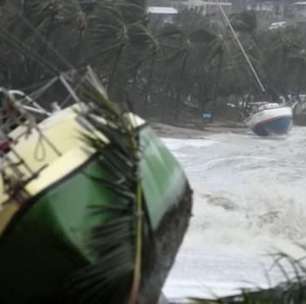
(76, 87)
(40, 151)
(69, 88)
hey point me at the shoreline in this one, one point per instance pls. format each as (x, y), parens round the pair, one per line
(196, 131)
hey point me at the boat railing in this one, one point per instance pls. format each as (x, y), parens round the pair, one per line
(14, 170)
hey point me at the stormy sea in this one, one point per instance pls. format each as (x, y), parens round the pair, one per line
(249, 203)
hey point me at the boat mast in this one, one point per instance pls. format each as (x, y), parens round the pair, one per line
(259, 82)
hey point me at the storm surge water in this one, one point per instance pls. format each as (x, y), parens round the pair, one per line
(249, 202)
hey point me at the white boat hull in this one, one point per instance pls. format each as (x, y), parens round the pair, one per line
(271, 121)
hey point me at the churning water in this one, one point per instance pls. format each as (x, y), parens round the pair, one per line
(249, 201)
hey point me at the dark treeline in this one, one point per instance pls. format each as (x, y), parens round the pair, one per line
(162, 69)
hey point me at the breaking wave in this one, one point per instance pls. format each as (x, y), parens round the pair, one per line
(248, 190)
(249, 201)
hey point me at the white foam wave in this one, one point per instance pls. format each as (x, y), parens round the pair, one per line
(250, 196)
(174, 144)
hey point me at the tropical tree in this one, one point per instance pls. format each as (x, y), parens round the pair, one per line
(51, 36)
(32, 39)
(284, 59)
(188, 53)
(191, 62)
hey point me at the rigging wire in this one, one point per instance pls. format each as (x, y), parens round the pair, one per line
(39, 92)
(36, 86)
(263, 89)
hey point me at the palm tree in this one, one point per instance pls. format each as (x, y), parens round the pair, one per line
(284, 59)
(51, 36)
(188, 54)
(34, 34)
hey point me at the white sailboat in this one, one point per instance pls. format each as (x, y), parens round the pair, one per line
(266, 118)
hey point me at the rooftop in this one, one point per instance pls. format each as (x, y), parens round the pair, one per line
(167, 10)
(212, 3)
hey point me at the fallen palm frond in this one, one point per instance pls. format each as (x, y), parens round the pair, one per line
(117, 243)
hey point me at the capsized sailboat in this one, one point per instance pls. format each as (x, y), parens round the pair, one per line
(93, 207)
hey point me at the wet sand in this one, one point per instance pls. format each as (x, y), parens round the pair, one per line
(196, 130)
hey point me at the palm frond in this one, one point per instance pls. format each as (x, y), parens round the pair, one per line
(117, 243)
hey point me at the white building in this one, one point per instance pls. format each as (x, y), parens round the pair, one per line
(209, 7)
(162, 10)
(266, 6)
(275, 8)
(299, 8)
(162, 14)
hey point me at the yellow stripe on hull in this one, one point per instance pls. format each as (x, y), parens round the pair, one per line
(64, 132)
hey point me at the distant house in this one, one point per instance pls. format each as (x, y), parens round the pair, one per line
(162, 10)
(162, 14)
(209, 7)
(262, 6)
(299, 8)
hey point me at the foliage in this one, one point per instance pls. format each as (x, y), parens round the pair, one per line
(284, 60)
(291, 291)
(188, 63)
(244, 22)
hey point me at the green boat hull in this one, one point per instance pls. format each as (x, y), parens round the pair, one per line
(46, 242)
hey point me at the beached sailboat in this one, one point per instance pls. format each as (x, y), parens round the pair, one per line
(93, 207)
(265, 118)
(270, 119)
